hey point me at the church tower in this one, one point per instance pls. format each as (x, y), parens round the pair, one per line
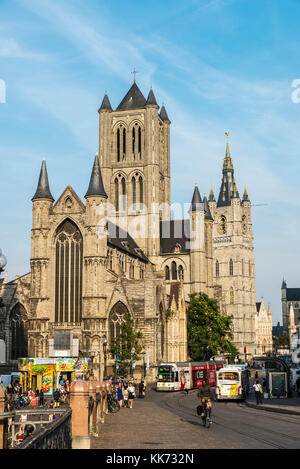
(134, 153)
(233, 254)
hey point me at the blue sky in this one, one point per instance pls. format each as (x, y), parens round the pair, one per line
(216, 64)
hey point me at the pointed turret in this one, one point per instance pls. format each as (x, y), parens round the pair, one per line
(283, 286)
(43, 190)
(105, 106)
(96, 187)
(163, 114)
(196, 205)
(246, 196)
(211, 197)
(134, 99)
(151, 100)
(228, 189)
(207, 211)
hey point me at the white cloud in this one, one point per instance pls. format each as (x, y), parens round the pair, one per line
(9, 48)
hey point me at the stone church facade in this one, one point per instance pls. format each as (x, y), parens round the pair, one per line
(119, 250)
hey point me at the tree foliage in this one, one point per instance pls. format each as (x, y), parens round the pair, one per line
(127, 346)
(209, 333)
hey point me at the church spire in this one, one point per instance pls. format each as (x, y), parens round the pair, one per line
(246, 196)
(105, 106)
(207, 211)
(151, 100)
(211, 197)
(43, 190)
(96, 187)
(163, 114)
(196, 205)
(228, 188)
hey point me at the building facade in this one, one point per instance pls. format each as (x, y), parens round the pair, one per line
(119, 251)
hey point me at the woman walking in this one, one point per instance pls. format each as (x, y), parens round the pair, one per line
(120, 394)
(131, 394)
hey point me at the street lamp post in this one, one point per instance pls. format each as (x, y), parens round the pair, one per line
(104, 344)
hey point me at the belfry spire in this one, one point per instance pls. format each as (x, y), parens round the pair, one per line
(196, 205)
(43, 189)
(228, 188)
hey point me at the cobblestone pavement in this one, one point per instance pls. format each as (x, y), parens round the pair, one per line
(169, 421)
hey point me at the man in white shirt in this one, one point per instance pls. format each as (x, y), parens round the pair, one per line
(258, 392)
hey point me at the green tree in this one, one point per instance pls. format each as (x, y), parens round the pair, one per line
(127, 345)
(209, 333)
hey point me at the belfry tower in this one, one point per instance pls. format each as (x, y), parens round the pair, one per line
(134, 152)
(233, 253)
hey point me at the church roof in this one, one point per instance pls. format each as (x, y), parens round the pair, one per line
(105, 104)
(43, 190)
(151, 99)
(174, 233)
(120, 239)
(134, 99)
(96, 186)
(293, 294)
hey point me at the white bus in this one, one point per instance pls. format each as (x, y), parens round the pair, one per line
(232, 383)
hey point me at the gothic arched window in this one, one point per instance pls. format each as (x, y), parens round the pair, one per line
(222, 228)
(133, 182)
(123, 194)
(133, 143)
(141, 191)
(231, 267)
(167, 273)
(118, 145)
(68, 273)
(18, 333)
(124, 144)
(217, 269)
(140, 143)
(117, 194)
(174, 270)
(180, 273)
(231, 295)
(116, 318)
(244, 224)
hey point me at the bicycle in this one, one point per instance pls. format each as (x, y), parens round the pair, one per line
(113, 404)
(206, 418)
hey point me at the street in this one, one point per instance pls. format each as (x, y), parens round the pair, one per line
(169, 421)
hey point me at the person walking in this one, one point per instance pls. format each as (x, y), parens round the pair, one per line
(120, 394)
(125, 397)
(131, 394)
(141, 389)
(41, 398)
(56, 397)
(258, 392)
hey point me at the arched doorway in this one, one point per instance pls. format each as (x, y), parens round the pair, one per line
(18, 332)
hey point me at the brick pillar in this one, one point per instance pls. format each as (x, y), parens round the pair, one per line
(2, 421)
(79, 403)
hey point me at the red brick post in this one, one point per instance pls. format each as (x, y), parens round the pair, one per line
(79, 403)
(2, 421)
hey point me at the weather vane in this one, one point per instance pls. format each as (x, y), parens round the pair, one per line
(134, 73)
(227, 134)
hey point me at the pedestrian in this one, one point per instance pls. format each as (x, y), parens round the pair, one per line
(125, 397)
(120, 394)
(131, 394)
(41, 398)
(258, 392)
(56, 397)
(141, 389)
(256, 375)
(264, 385)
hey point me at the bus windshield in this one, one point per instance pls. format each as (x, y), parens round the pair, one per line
(228, 376)
(165, 374)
